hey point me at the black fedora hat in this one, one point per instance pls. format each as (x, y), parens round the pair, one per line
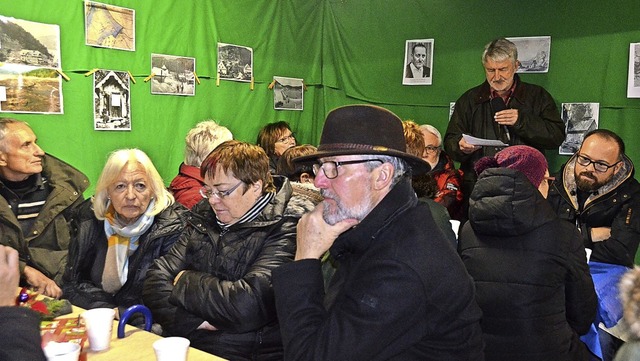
(364, 129)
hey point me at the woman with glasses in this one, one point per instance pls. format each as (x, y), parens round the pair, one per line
(448, 178)
(214, 286)
(529, 266)
(275, 138)
(117, 234)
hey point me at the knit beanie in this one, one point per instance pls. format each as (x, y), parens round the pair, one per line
(522, 158)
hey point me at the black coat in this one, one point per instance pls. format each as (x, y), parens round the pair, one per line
(20, 334)
(400, 293)
(227, 281)
(83, 276)
(615, 205)
(530, 270)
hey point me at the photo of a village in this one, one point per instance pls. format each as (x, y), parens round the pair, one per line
(29, 55)
(173, 75)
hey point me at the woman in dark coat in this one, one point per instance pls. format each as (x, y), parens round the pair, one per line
(117, 234)
(529, 266)
(214, 286)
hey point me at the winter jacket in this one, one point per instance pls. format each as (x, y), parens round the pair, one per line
(83, 277)
(45, 248)
(227, 280)
(449, 181)
(400, 293)
(539, 124)
(186, 186)
(530, 270)
(20, 335)
(615, 205)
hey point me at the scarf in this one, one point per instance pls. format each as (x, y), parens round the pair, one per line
(252, 213)
(122, 241)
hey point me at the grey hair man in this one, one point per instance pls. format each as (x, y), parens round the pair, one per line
(37, 195)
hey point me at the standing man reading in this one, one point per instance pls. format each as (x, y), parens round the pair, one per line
(400, 291)
(502, 108)
(37, 194)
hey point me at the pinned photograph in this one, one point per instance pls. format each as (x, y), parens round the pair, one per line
(579, 119)
(418, 62)
(235, 62)
(633, 84)
(109, 26)
(173, 75)
(111, 100)
(533, 53)
(29, 57)
(288, 93)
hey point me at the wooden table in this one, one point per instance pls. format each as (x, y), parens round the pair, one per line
(136, 345)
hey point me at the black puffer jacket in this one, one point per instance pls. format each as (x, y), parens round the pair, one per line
(83, 276)
(227, 281)
(530, 270)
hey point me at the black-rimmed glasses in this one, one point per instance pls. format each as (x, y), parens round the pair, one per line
(291, 136)
(598, 166)
(208, 193)
(330, 168)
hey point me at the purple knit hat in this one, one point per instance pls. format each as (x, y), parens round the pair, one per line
(522, 158)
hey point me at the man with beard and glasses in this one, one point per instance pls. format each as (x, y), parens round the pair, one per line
(596, 190)
(400, 291)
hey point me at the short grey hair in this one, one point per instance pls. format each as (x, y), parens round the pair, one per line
(401, 167)
(431, 129)
(4, 122)
(202, 139)
(500, 50)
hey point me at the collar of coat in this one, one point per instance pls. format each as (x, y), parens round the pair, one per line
(359, 239)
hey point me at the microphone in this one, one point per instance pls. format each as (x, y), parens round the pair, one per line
(498, 105)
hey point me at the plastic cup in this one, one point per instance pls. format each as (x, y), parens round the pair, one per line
(62, 351)
(99, 324)
(171, 349)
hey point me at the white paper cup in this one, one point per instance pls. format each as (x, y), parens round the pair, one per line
(62, 351)
(99, 324)
(171, 349)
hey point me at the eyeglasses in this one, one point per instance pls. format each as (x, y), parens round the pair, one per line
(286, 138)
(330, 168)
(431, 149)
(549, 180)
(208, 193)
(598, 166)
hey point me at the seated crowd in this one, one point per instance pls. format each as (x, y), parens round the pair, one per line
(344, 251)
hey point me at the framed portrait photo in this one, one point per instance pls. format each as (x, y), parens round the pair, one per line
(418, 62)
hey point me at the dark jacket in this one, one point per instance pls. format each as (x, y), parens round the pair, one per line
(186, 186)
(227, 281)
(45, 249)
(400, 293)
(83, 277)
(616, 205)
(539, 124)
(530, 270)
(20, 335)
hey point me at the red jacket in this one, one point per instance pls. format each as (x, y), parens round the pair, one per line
(186, 185)
(449, 180)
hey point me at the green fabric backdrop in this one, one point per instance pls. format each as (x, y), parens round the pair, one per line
(347, 51)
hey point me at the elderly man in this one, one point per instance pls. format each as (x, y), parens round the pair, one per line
(37, 194)
(502, 108)
(596, 190)
(400, 290)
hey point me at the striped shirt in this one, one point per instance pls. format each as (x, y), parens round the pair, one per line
(26, 199)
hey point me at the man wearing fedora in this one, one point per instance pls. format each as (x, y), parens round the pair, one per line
(400, 291)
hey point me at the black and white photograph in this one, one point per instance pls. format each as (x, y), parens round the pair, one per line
(173, 75)
(418, 62)
(633, 84)
(288, 93)
(579, 119)
(235, 62)
(452, 107)
(533, 53)
(111, 100)
(29, 57)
